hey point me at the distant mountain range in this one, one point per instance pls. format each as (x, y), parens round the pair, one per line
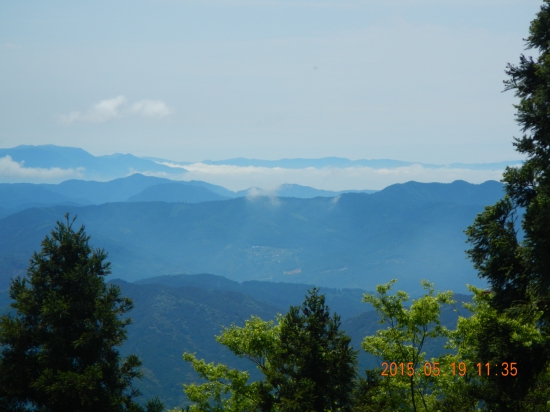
(356, 240)
(135, 188)
(83, 163)
(343, 162)
(77, 163)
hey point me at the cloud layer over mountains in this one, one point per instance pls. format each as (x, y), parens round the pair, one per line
(53, 164)
(152, 227)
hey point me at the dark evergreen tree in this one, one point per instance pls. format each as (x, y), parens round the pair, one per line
(307, 363)
(58, 350)
(366, 393)
(516, 260)
(314, 369)
(519, 271)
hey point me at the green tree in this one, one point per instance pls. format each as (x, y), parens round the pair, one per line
(489, 337)
(307, 363)
(315, 366)
(518, 270)
(228, 389)
(402, 343)
(58, 351)
(515, 259)
(225, 390)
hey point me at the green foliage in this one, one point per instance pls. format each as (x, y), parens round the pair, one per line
(257, 341)
(492, 337)
(225, 389)
(367, 393)
(154, 405)
(402, 342)
(315, 364)
(518, 269)
(58, 349)
(307, 364)
(167, 321)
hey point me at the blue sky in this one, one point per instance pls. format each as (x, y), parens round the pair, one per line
(414, 80)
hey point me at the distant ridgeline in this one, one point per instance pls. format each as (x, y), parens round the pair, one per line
(64, 163)
(342, 162)
(153, 226)
(136, 188)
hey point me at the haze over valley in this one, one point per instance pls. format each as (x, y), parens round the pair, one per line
(156, 226)
(195, 256)
(267, 201)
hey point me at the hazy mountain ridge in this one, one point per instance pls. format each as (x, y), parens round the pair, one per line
(135, 188)
(176, 192)
(457, 192)
(121, 189)
(300, 163)
(108, 167)
(89, 166)
(356, 240)
(299, 191)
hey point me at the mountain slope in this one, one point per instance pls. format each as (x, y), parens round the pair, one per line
(347, 302)
(23, 195)
(120, 190)
(352, 241)
(168, 321)
(175, 192)
(179, 314)
(19, 196)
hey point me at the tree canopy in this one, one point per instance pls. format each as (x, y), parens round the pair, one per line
(58, 350)
(307, 362)
(515, 258)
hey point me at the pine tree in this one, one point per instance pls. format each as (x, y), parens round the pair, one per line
(314, 369)
(519, 271)
(58, 350)
(516, 260)
(307, 364)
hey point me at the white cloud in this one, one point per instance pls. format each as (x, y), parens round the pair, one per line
(330, 178)
(116, 107)
(151, 108)
(108, 108)
(15, 172)
(101, 112)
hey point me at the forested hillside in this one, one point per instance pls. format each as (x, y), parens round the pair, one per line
(356, 240)
(183, 313)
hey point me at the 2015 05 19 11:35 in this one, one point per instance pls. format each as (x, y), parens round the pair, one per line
(433, 369)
